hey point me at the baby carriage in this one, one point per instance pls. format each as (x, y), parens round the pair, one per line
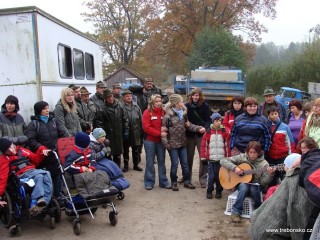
(17, 196)
(79, 204)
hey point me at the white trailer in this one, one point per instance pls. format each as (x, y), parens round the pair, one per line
(40, 55)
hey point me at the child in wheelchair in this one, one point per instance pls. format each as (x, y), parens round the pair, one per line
(22, 163)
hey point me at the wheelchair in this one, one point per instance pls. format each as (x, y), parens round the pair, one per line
(17, 196)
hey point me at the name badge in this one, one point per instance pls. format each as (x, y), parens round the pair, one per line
(154, 117)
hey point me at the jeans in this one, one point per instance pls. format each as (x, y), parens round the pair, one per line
(177, 154)
(191, 147)
(153, 149)
(43, 184)
(244, 189)
(213, 177)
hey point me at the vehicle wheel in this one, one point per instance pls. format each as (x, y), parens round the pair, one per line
(52, 223)
(14, 231)
(6, 212)
(113, 217)
(120, 196)
(76, 227)
(57, 210)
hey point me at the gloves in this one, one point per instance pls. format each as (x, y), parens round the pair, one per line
(106, 150)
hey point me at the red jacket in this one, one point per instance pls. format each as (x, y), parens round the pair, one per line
(35, 160)
(151, 123)
(228, 121)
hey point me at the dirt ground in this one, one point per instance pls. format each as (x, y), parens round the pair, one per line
(156, 214)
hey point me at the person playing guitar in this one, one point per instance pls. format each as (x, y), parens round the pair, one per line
(254, 157)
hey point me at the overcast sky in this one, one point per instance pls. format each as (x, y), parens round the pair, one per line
(294, 17)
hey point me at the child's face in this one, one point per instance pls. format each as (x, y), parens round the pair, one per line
(217, 123)
(304, 148)
(101, 140)
(11, 151)
(252, 153)
(273, 116)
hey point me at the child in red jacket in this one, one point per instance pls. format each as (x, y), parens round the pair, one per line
(213, 148)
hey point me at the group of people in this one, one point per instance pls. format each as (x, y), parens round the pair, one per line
(262, 135)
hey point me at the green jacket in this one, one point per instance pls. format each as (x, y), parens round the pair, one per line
(287, 208)
(135, 122)
(263, 178)
(115, 122)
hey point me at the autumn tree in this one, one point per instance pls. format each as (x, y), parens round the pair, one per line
(215, 47)
(121, 26)
(175, 32)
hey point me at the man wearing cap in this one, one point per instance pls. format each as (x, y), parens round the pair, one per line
(115, 122)
(97, 98)
(133, 140)
(82, 110)
(143, 93)
(116, 90)
(270, 101)
(88, 110)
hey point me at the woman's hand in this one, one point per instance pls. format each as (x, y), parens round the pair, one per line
(238, 171)
(202, 130)
(271, 170)
(3, 203)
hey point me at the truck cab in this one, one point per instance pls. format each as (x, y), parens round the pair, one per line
(286, 94)
(180, 84)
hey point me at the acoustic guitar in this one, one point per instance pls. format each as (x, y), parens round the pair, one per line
(229, 179)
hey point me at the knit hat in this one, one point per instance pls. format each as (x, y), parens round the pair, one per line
(175, 98)
(98, 133)
(126, 92)
(14, 100)
(84, 91)
(4, 144)
(290, 159)
(215, 116)
(100, 84)
(82, 140)
(268, 91)
(107, 92)
(38, 106)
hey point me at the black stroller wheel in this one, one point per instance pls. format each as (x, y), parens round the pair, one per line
(120, 196)
(6, 212)
(52, 223)
(14, 231)
(113, 217)
(57, 210)
(76, 227)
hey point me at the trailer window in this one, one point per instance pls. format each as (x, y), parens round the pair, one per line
(89, 66)
(78, 64)
(65, 61)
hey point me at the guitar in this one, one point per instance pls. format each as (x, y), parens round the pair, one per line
(229, 179)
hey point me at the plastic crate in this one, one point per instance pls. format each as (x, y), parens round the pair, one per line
(247, 205)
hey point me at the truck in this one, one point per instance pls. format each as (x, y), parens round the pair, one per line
(40, 55)
(219, 85)
(286, 94)
(180, 84)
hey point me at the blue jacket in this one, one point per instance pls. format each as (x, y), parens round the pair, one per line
(249, 128)
(78, 158)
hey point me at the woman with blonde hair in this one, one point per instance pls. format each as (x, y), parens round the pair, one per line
(66, 112)
(151, 122)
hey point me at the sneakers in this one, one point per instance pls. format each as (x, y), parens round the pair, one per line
(137, 168)
(41, 202)
(218, 195)
(168, 187)
(189, 185)
(148, 188)
(209, 196)
(35, 210)
(235, 218)
(175, 187)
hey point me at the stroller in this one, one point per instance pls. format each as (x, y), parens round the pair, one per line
(17, 196)
(77, 204)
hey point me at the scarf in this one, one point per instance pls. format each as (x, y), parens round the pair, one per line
(236, 113)
(44, 119)
(194, 104)
(179, 113)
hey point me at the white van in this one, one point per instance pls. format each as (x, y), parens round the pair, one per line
(40, 55)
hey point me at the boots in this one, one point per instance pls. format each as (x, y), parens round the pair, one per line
(126, 165)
